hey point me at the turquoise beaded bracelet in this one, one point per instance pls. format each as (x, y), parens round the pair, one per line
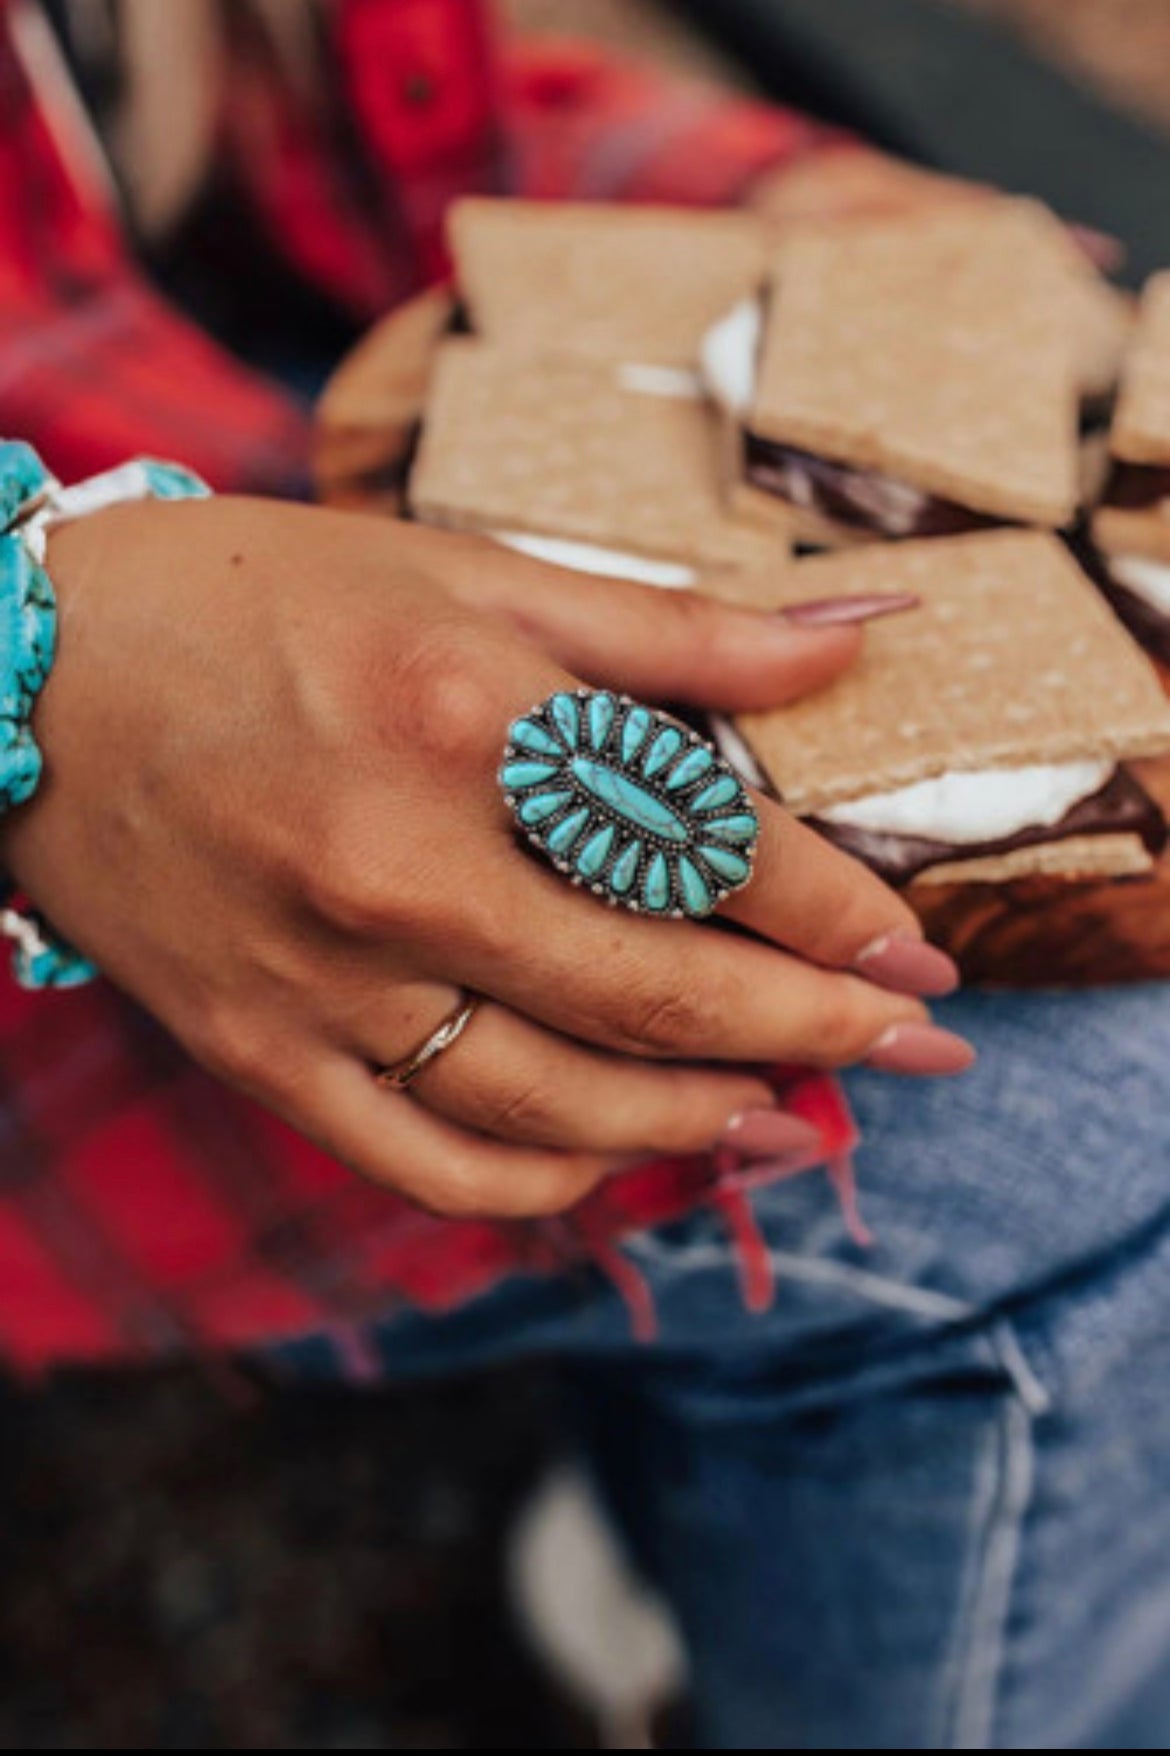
(32, 501)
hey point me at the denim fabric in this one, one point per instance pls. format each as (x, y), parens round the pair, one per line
(923, 1501)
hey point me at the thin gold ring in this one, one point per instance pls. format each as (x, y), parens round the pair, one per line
(404, 1073)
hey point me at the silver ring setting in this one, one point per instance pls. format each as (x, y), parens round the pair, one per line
(630, 803)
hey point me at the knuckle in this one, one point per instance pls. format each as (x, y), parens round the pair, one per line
(459, 1193)
(556, 1192)
(672, 1021)
(695, 617)
(442, 690)
(677, 1012)
(348, 877)
(856, 908)
(846, 1021)
(527, 1112)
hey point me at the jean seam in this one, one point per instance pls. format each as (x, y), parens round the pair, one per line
(876, 1289)
(981, 1636)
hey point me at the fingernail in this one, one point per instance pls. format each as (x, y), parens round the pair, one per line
(842, 612)
(908, 965)
(922, 1049)
(756, 1133)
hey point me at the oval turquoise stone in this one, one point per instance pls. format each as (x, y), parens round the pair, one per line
(697, 899)
(528, 774)
(732, 868)
(739, 829)
(602, 713)
(664, 749)
(635, 731)
(626, 799)
(724, 791)
(566, 716)
(527, 735)
(591, 860)
(690, 769)
(656, 889)
(625, 869)
(542, 806)
(564, 834)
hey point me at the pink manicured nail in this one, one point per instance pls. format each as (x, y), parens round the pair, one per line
(768, 1133)
(922, 1049)
(842, 612)
(908, 965)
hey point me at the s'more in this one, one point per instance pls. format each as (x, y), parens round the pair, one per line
(574, 462)
(1131, 526)
(636, 284)
(917, 377)
(985, 736)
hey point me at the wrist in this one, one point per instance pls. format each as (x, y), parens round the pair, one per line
(32, 504)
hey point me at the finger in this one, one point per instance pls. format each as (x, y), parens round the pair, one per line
(663, 988)
(513, 1080)
(811, 898)
(388, 1138)
(666, 645)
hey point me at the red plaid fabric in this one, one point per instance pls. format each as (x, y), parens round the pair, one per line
(143, 1208)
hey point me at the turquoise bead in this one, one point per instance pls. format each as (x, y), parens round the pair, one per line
(21, 766)
(528, 774)
(690, 769)
(743, 828)
(639, 808)
(527, 735)
(566, 714)
(724, 791)
(542, 806)
(664, 749)
(563, 834)
(55, 965)
(635, 731)
(602, 713)
(591, 860)
(732, 868)
(697, 898)
(170, 481)
(656, 889)
(625, 869)
(22, 478)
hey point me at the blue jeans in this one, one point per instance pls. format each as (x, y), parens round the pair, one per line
(924, 1500)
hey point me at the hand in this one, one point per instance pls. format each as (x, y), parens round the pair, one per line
(272, 816)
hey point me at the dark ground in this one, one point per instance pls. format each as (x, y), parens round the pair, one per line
(297, 1572)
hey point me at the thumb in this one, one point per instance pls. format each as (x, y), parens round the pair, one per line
(676, 645)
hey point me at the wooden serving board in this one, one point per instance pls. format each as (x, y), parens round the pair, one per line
(1041, 932)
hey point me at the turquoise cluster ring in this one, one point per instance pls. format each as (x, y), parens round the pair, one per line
(630, 803)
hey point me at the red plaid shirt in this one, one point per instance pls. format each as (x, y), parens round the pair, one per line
(143, 1208)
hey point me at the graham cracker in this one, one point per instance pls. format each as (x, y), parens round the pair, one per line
(1144, 532)
(617, 283)
(1141, 426)
(1102, 316)
(559, 447)
(1080, 856)
(938, 351)
(1012, 658)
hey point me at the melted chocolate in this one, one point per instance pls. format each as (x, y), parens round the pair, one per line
(1137, 487)
(1150, 627)
(1122, 807)
(862, 499)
